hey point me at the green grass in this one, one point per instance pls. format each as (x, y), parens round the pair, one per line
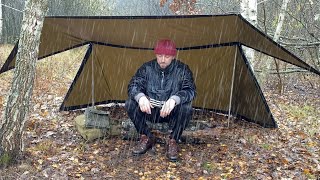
(302, 112)
(306, 117)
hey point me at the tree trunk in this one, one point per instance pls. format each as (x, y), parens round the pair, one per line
(276, 37)
(319, 56)
(1, 22)
(280, 20)
(249, 10)
(12, 125)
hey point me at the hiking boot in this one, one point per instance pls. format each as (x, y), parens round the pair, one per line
(172, 150)
(144, 145)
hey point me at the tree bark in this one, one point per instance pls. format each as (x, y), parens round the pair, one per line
(319, 55)
(280, 20)
(276, 37)
(12, 125)
(249, 10)
(1, 22)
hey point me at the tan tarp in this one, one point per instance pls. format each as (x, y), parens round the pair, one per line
(61, 33)
(210, 45)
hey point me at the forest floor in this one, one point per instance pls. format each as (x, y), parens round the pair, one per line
(55, 150)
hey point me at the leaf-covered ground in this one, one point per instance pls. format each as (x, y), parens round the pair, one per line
(55, 150)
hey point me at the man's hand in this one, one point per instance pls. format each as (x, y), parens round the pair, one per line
(167, 108)
(145, 105)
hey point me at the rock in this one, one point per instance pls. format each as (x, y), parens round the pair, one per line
(50, 133)
(50, 97)
(37, 106)
(95, 170)
(44, 106)
(242, 141)
(24, 175)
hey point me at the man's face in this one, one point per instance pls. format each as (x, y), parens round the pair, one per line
(164, 60)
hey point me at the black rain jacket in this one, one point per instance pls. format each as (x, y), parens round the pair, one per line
(161, 84)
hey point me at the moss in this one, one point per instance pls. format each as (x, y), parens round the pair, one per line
(5, 160)
(207, 166)
(266, 146)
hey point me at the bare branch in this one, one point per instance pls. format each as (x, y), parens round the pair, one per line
(312, 44)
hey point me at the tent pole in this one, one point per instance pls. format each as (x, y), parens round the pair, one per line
(92, 82)
(231, 92)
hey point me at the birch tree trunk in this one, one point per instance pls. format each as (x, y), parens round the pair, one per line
(319, 54)
(12, 125)
(249, 10)
(1, 22)
(276, 36)
(280, 20)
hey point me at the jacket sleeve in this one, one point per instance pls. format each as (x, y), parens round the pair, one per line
(137, 85)
(188, 89)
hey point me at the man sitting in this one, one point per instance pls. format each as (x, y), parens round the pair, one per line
(161, 90)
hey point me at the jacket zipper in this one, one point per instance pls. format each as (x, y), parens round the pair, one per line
(162, 73)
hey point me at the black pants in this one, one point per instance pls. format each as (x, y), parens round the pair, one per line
(178, 119)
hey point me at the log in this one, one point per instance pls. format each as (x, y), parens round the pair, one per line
(162, 130)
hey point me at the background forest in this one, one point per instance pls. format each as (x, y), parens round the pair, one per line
(55, 150)
(295, 25)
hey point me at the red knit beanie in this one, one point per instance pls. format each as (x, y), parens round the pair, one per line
(165, 46)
